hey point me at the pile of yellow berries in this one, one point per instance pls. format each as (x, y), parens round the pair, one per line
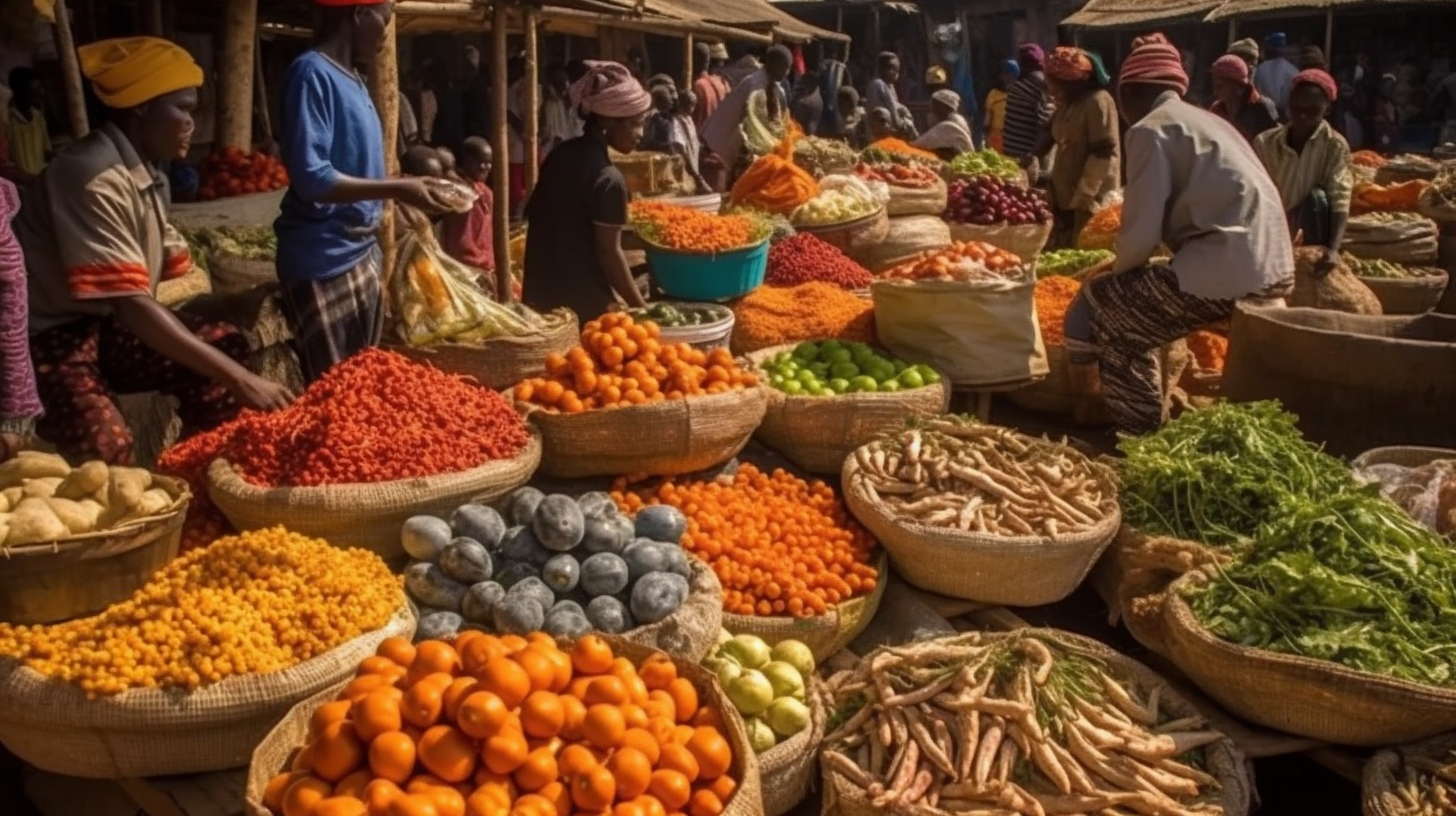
(254, 603)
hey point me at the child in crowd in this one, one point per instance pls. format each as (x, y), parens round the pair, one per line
(469, 237)
(423, 162)
(448, 164)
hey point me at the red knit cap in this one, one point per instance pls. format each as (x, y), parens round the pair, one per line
(1319, 79)
(1155, 61)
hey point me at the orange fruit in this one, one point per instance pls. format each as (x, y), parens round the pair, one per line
(712, 752)
(481, 715)
(594, 789)
(480, 651)
(634, 716)
(542, 714)
(606, 689)
(487, 801)
(507, 680)
(505, 752)
(277, 786)
(340, 806)
(575, 759)
(455, 694)
(676, 757)
(604, 726)
(533, 805)
(463, 639)
(724, 787)
(629, 808)
(632, 770)
(660, 704)
(413, 804)
(710, 717)
(375, 664)
(661, 729)
(304, 794)
(573, 714)
(538, 771)
(447, 753)
(538, 667)
(558, 795)
(337, 752)
(561, 662)
(363, 684)
(591, 655)
(447, 800)
(685, 697)
(650, 806)
(705, 803)
(681, 734)
(641, 740)
(434, 656)
(424, 701)
(392, 757)
(326, 715)
(354, 784)
(670, 788)
(376, 713)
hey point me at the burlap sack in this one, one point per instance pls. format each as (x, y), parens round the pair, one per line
(825, 635)
(788, 770)
(231, 275)
(1437, 207)
(177, 291)
(1411, 241)
(501, 362)
(1137, 568)
(1311, 698)
(691, 631)
(1053, 395)
(973, 334)
(904, 239)
(1339, 291)
(816, 433)
(364, 515)
(276, 750)
(1385, 772)
(1004, 570)
(1026, 241)
(1222, 760)
(916, 200)
(853, 238)
(152, 732)
(1417, 294)
(659, 439)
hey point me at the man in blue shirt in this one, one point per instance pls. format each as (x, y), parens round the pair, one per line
(329, 261)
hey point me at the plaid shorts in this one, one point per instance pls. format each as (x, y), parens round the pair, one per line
(334, 319)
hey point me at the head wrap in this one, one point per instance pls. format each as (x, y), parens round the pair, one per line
(1312, 56)
(1031, 57)
(609, 89)
(1068, 64)
(935, 75)
(1246, 48)
(1154, 61)
(948, 98)
(1319, 79)
(718, 51)
(135, 70)
(1011, 67)
(1232, 67)
(1276, 40)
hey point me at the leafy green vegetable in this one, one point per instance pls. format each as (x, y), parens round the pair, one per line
(1069, 261)
(243, 243)
(985, 163)
(1348, 578)
(1215, 475)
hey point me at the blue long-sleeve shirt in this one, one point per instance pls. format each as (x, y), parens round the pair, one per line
(330, 128)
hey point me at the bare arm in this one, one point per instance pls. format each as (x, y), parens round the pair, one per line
(614, 264)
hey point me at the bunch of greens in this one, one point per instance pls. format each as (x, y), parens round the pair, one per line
(1069, 262)
(985, 163)
(1215, 475)
(243, 243)
(879, 155)
(1349, 578)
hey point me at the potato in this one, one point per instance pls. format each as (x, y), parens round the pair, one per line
(32, 465)
(127, 487)
(4, 527)
(84, 480)
(41, 488)
(79, 517)
(33, 522)
(4, 503)
(13, 495)
(153, 501)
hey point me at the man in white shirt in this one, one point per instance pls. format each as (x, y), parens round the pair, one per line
(1274, 77)
(1195, 185)
(723, 132)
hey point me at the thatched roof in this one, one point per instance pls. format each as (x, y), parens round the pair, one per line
(1119, 13)
(1243, 8)
(754, 20)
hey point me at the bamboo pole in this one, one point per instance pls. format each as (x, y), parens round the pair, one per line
(384, 89)
(152, 18)
(70, 72)
(689, 44)
(260, 87)
(531, 150)
(1330, 34)
(235, 75)
(502, 180)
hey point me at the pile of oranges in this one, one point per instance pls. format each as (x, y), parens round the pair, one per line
(231, 172)
(510, 726)
(688, 230)
(621, 362)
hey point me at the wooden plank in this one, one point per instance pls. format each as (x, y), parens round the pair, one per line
(151, 800)
(235, 80)
(209, 794)
(945, 606)
(55, 795)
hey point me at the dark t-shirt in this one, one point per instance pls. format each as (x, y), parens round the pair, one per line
(578, 189)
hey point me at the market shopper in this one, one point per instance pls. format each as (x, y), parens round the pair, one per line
(1247, 50)
(995, 122)
(949, 134)
(757, 102)
(1028, 109)
(329, 261)
(574, 255)
(1275, 75)
(27, 132)
(1310, 165)
(1085, 131)
(469, 237)
(881, 94)
(19, 400)
(709, 85)
(1195, 187)
(1236, 99)
(96, 243)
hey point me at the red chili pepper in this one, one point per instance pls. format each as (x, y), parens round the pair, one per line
(804, 258)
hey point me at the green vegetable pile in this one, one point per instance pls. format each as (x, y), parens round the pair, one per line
(1367, 268)
(671, 316)
(1348, 578)
(985, 163)
(1069, 262)
(876, 155)
(243, 243)
(830, 368)
(1216, 475)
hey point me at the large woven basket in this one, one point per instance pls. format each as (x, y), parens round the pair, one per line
(364, 515)
(817, 433)
(1025, 241)
(1413, 295)
(1298, 695)
(825, 635)
(501, 362)
(84, 574)
(154, 732)
(1052, 395)
(916, 200)
(1404, 456)
(1137, 568)
(1006, 570)
(276, 750)
(853, 238)
(1385, 772)
(788, 770)
(658, 439)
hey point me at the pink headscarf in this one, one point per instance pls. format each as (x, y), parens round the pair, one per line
(1154, 61)
(610, 90)
(1232, 67)
(1319, 79)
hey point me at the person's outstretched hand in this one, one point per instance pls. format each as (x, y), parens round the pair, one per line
(262, 395)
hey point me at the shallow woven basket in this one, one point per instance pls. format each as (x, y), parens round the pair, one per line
(82, 575)
(231, 274)
(275, 752)
(1222, 760)
(501, 362)
(788, 769)
(658, 439)
(1318, 699)
(1025, 241)
(154, 732)
(825, 635)
(1384, 772)
(817, 433)
(691, 631)
(365, 515)
(1413, 295)
(1008, 570)
(853, 238)
(1137, 568)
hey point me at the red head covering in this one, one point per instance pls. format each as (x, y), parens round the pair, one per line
(1068, 64)
(1232, 67)
(1155, 61)
(1319, 79)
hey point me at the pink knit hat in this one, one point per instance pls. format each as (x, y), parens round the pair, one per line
(1232, 67)
(1319, 79)
(1154, 61)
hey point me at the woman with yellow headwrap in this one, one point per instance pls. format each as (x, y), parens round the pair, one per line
(96, 241)
(1085, 131)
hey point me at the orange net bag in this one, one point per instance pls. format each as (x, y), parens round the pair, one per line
(775, 184)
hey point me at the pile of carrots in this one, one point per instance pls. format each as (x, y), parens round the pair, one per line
(1210, 350)
(621, 362)
(962, 261)
(1054, 295)
(688, 230)
(779, 545)
(775, 315)
(1402, 197)
(231, 172)
(510, 726)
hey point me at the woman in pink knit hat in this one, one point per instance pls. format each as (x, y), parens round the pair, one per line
(1237, 101)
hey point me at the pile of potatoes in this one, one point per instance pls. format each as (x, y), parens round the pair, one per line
(43, 499)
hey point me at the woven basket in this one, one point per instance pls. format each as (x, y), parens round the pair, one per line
(853, 238)
(1311, 698)
(788, 769)
(905, 238)
(1137, 568)
(1005, 570)
(658, 439)
(231, 275)
(1414, 295)
(1404, 456)
(916, 200)
(1384, 773)
(1025, 241)
(275, 753)
(691, 631)
(152, 732)
(84, 574)
(825, 635)
(501, 362)
(1222, 760)
(817, 433)
(364, 515)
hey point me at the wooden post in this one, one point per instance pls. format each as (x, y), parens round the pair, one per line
(689, 44)
(70, 72)
(1329, 34)
(152, 18)
(531, 150)
(260, 87)
(384, 89)
(500, 145)
(1233, 32)
(235, 75)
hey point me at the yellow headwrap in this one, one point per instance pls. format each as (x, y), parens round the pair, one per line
(131, 71)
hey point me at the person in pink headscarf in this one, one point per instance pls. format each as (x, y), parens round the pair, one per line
(576, 213)
(1236, 99)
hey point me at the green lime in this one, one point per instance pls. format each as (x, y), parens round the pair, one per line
(889, 386)
(837, 356)
(806, 351)
(793, 387)
(881, 371)
(806, 376)
(816, 390)
(844, 371)
(829, 346)
(820, 369)
(910, 378)
(863, 384)
(928, 374)
(900, 366)
(839, 385)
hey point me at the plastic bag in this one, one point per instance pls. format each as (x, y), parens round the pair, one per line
(1427, 493)
(774, 183)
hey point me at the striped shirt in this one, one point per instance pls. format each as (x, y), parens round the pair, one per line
(1323, 163)
(1028, 114)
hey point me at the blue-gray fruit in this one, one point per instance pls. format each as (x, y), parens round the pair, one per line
(430, 586)
(438, 626)
(514, 572)
(604, 574)
(661, 522)
(535, 589)
(523, 505)
(597, 504)
(480, 522)
(467, 561)
(610, 534)
(657, 595)
(607, 614)
(644, 556)
(518, 615)
(566, 623)
(520, 544)
(561, 573)
(558, 523)
(480, 601)
(425, 537)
